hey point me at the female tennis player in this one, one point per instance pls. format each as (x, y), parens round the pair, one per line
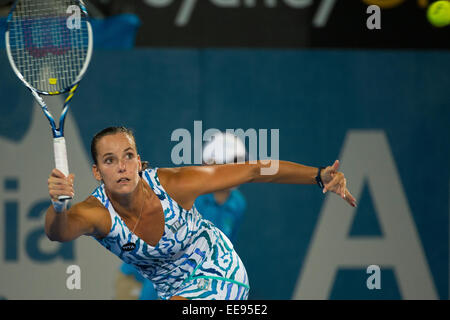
(148, 219)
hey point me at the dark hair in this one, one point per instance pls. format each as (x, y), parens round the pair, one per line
(106, 132)
(110, 131)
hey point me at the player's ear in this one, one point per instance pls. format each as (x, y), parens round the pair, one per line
(140, 163)
(96, 173)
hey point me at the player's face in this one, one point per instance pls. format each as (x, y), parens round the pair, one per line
(118, 163)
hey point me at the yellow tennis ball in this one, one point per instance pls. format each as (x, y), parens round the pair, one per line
(438, 13)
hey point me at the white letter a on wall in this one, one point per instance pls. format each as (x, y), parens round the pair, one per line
(366, 157)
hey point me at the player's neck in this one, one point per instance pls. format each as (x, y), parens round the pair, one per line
(128, 205)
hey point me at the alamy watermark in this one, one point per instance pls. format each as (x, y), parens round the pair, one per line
(374, 20)
(74, 20)
(73, 281)
(257, 141)
(374, 280)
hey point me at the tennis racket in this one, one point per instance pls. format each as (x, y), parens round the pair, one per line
(49, 45)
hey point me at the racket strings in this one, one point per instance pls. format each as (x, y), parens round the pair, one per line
(48, 47)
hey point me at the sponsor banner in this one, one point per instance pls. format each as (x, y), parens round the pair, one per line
(283, 23)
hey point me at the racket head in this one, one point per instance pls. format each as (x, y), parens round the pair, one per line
(49, 43)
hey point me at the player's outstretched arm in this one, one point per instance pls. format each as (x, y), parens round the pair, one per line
(187, 183)
(290, 172)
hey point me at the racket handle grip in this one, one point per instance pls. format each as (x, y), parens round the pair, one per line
(59, 147)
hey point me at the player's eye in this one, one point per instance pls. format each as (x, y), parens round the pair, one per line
(130, 155)
(108, 160)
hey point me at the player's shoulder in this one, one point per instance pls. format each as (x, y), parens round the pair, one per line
(92, 212)
(177, 183)
(169, 171)
(168, 175)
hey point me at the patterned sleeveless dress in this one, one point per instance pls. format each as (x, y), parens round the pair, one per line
(193, 259)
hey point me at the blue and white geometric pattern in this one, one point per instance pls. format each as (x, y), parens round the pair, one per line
(193, 258)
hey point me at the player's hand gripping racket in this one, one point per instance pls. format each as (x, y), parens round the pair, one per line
(49, 45)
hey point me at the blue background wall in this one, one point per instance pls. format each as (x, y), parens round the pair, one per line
(314, 97)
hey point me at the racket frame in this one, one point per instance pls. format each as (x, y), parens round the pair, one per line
(59, 143)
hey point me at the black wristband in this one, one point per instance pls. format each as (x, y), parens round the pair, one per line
(319, 179)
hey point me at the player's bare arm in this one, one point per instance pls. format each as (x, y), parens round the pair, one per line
(187, 183)
(84, 218)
